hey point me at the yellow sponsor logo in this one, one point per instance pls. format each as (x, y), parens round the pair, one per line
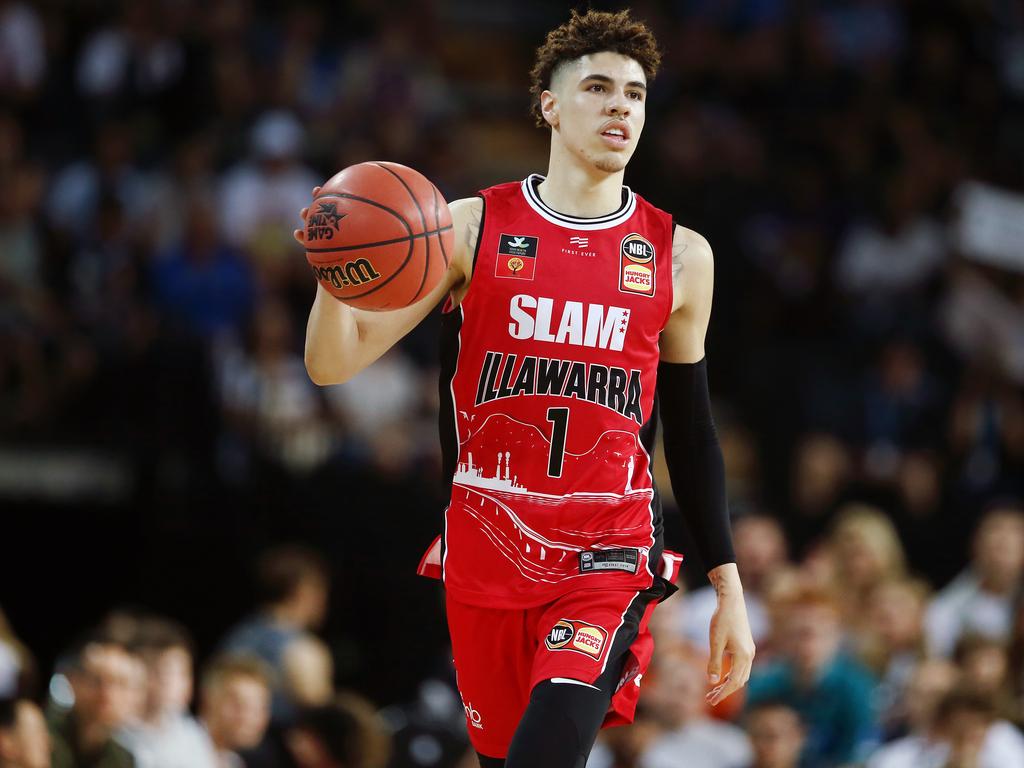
(589, 640)
(636, 277)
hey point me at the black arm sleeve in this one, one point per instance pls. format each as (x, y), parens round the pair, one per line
(694, 458)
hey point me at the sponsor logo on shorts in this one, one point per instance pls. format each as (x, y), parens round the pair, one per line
(560, 635)
(579, 636)
(473, 716)
(636, 270)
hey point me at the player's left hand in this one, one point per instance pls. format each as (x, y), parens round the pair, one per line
(730, 634)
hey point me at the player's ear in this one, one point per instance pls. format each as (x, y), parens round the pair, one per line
(549, 107)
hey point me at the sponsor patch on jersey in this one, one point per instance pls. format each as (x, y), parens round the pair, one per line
(636, 265)
(578, 636)
(517, 257)
(626, 559)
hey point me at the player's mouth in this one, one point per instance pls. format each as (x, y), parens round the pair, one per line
(616, 134)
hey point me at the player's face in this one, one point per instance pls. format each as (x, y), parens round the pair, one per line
(596, 104)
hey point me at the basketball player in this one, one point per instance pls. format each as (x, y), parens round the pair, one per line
(575, 313)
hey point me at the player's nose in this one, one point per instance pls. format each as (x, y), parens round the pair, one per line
(617, 104)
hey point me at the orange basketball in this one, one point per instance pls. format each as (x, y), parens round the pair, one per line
(379, 236)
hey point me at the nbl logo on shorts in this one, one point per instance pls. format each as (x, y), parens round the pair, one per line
(579, 636)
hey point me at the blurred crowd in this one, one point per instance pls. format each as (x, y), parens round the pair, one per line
(866, 353)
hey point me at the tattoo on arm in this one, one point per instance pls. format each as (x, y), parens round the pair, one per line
(473, 230)
(677, 259)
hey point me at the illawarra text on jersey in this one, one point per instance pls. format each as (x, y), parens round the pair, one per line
(612, 387)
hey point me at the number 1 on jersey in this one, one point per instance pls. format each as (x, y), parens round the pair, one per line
(559, 417)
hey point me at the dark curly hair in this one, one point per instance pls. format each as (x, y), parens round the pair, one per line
(592, 32)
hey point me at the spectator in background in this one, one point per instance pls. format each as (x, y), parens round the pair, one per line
(105, 679)
(971, 735)
(761, 557)
(346, 733)
(986, 428)
(166, 736)
(893, 645)
(278, 420)
(776, 735)
(16, 665)
(260, 196)
(984, 669)
(980, 599)
(931, 681)
(235, 705)
(830, 691)
(689, 738)
(379, 407)
(1015, 659)
(24, 741)
(821, 470)
(885, 263)
(902, 409)
(867, 550)
(293, 584)
(74, 203)
(200, 281)
(22, 48)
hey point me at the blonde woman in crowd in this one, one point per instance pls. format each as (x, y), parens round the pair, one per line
(866, 551)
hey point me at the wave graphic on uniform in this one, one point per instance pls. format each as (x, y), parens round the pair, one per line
(540, 533)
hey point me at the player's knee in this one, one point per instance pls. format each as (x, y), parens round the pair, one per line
(559, 726)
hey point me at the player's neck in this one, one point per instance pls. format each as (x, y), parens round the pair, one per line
(576, 188)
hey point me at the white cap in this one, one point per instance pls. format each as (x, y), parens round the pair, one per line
(277, 134)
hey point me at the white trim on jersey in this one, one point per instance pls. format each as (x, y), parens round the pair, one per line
(566, 221)
(570, 681)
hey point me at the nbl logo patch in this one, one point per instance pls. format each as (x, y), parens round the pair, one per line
(517, 257)
(579, 636)
(636, 265)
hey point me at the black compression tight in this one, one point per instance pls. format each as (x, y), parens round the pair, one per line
(558, 728)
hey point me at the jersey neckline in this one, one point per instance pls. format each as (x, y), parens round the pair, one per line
(624, 211)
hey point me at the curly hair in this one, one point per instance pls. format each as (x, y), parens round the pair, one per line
(592, 32)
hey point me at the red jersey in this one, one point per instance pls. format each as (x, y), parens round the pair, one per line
(548, 410)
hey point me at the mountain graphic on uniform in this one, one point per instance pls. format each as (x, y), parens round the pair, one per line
(507, 450)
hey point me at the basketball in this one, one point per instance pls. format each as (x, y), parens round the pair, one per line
(379, 236)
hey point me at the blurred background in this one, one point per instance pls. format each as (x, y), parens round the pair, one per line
(196, 541)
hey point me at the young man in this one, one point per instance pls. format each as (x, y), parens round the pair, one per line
(570, 300)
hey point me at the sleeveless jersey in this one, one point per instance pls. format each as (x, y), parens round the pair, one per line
(548, 411)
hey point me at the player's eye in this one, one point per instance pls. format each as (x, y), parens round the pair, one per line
(597, 87)
(636, 95)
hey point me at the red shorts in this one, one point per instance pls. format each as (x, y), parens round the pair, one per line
(501, 654)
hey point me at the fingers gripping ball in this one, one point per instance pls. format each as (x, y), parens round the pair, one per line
(378, 236)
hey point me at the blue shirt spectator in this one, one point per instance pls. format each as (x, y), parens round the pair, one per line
(830, 691)
(203, 282)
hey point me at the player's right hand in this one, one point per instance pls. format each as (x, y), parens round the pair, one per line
(300, 234)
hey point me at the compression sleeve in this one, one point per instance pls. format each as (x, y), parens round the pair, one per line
(694, 458)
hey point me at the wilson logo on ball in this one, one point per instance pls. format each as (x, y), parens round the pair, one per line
(324, 222)
(355, 272)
